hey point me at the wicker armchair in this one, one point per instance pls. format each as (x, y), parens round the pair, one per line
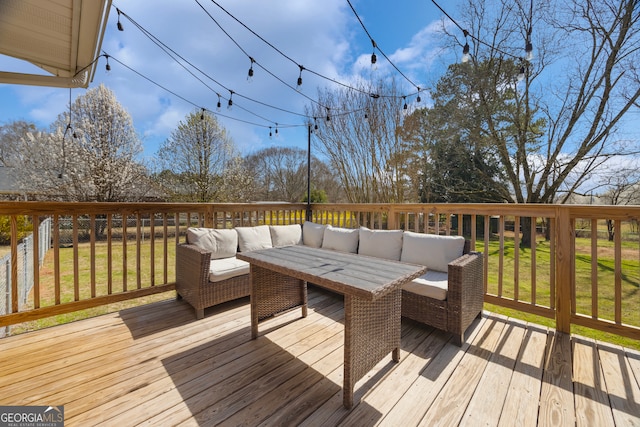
(192, 280)
(465, 296)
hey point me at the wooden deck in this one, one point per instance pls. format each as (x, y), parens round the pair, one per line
(156, 365)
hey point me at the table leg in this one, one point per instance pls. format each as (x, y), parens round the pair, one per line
(273, 293)
(371, 331)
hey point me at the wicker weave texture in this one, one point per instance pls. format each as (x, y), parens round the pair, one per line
(465, 298)
(372, 330)
(192, 280)
(276, 293)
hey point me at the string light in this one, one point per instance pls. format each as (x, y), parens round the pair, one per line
(300, 76)
(405, 106)
(270, 134)
(465, 49)
(276, 129)
(522, 73)
(315, 121)
(107, 67)
(374, 58)
(252, 60)
(288, 57)
(528, 48)
(219, 104)
(202, 114)
(250, 73)
(119, 24)
(418, 99)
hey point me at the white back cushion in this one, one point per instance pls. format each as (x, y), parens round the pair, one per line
(253, 238)
(385, 244)
(433, 251)
(312, 234)
(341, 239)
(222, 243)
(285, 235)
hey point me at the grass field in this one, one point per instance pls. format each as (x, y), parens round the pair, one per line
(605, 274)
(630, 282)
(47, 279)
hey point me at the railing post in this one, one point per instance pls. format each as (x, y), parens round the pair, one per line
(392, 218)
(208, 218)
(563, 237)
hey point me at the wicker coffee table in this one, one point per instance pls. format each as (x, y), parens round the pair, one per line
(372, 298)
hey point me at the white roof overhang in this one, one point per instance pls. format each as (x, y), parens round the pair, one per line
(62, 37)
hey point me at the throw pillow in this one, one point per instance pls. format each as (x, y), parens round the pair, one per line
(285, 235)
(340, 239)
(253, 238)
(312, 234)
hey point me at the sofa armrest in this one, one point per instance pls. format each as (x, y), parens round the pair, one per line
(192, 270)
(465, 292)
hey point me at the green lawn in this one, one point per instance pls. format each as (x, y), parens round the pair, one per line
(47, 279)
(605, 273)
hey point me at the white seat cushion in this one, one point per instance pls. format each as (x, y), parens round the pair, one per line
(432, 284)
(226, 268)
(253, 238)
(285, 235)
(431, 250)
(340, 239)
(222, 243)
(385, 244)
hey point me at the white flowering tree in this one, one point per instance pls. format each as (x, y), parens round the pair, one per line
(89, 157)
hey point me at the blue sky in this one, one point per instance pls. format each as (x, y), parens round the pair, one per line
(322, 36)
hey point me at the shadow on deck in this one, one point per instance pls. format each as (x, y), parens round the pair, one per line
(157, 365)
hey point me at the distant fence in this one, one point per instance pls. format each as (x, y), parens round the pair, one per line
(25, 269)
(116, 226)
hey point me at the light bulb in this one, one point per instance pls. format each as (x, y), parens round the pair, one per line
(465, 53)
(119, 25)
(250, 75)
(529, 50)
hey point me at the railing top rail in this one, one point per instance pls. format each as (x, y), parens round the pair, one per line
(515, 209)
(70, 208)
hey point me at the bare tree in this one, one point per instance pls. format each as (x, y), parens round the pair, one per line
(364, 148)
(582, 82)
(198, 162)
(280, 174)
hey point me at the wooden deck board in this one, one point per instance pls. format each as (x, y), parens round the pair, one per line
(522, 401)
(556, 396)
(158, 365)
(592, 401)
(624, 393)
(488, 399)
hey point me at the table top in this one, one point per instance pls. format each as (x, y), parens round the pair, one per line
(346, 273)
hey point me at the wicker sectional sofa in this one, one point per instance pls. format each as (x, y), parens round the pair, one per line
(448, 297)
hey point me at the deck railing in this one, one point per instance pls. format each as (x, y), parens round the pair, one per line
(578, 265)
